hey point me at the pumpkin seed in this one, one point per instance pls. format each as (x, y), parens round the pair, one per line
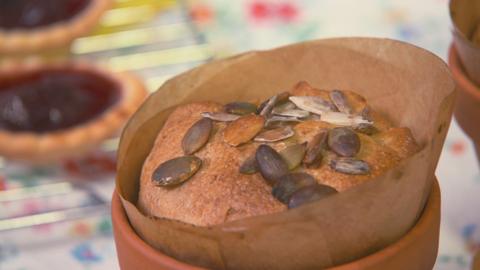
(249, 166)
(293, 113)
(288, 105)
(340, 101)
(313, 156)
(274, 135)
(243, 129)
(262, 106)
(282, 97)
(176, 171)
(293, 154)
(310, 194)
(350, 166)
(270, 164)
(220, 116)
(276, 120)
(313, 117)
(240, 108)
(343, 141)
(197, 136)
(343, 119)
(366, 114)
(313, 104)
(289, 183)
(267, 106)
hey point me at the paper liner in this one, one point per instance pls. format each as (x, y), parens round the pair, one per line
(409, 85)
(465, 15)
(467, 107)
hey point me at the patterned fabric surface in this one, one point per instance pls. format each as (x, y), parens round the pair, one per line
(230, 27)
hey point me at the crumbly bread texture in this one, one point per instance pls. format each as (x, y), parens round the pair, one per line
(218, 193)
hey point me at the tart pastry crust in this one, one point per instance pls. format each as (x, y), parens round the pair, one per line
(55, 35)
(74, 141)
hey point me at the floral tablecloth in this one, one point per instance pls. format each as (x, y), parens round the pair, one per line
(229, 27)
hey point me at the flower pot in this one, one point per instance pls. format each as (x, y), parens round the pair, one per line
(416, 250)
(467, 110)
(465, 15)
(393, 75)
(476, 261)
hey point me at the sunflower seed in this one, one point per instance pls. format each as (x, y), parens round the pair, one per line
(243, 129)
(197, 136)
(343, 141)
(275, 135)
(289, 183)
(340, 101)
(293, 154)
(220, 116)
(310, 194)
(249, 166)
(350, 166)
(313, 104)
(366, 129)
(240, 108)
(343, 119)
(313, 156)
(270, 164)
(176, 171)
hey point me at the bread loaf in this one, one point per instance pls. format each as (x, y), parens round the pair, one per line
(218, 192)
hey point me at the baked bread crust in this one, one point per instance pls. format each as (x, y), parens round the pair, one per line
(218, 192)
(51, 146)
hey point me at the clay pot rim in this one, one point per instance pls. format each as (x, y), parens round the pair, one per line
(456, 31)
(459, 74)
(423, 224)
(120, 217)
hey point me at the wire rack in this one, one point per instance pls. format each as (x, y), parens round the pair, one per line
(155, 40)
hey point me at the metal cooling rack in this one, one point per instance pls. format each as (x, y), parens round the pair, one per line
(154, 39)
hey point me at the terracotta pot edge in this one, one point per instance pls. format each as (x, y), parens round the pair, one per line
(460, 77)
(123, 226)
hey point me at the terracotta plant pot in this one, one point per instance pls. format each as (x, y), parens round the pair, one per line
(467, 110)
(416, 250)
(465, 15)
(476, 261)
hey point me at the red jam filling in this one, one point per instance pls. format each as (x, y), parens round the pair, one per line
(50, 100)
(25, 14)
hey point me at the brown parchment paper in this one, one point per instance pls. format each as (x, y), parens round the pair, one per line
(465, 15)
(408, 84)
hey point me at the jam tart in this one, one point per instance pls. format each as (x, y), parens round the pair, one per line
(50, 111)
(32, 25)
